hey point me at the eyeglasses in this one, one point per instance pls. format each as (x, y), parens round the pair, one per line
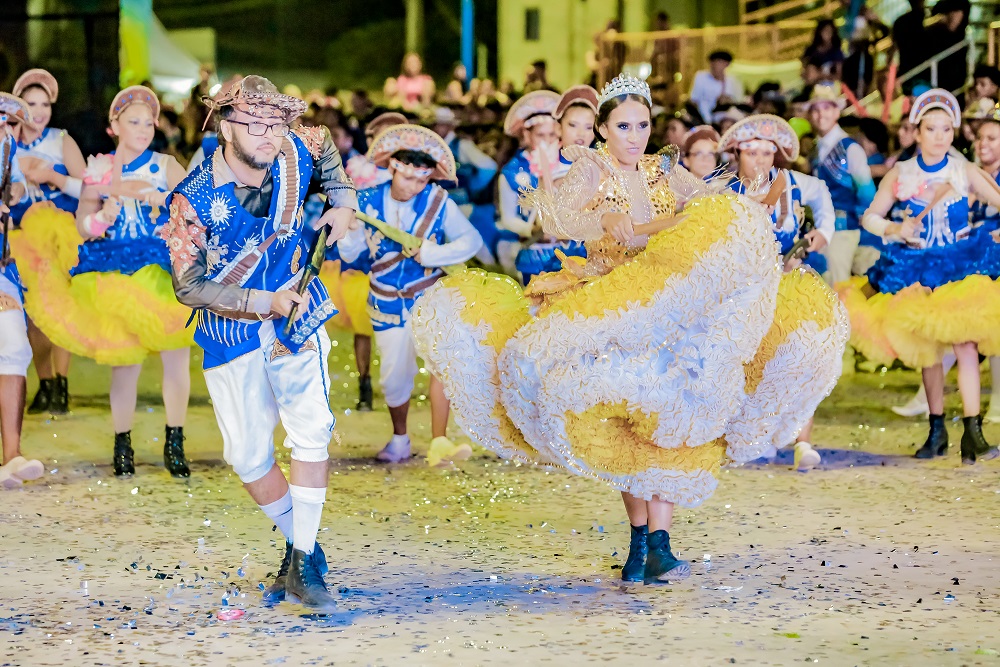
(701, 154)
(260, 129)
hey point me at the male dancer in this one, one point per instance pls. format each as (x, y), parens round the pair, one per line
(411, 203)
(842, 165)
(238, 248)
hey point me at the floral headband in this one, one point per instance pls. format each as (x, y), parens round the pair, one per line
(410, 169)
(413, 138)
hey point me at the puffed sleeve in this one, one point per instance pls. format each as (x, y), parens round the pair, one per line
(567, 213)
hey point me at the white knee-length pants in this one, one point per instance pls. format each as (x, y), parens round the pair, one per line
(397, 363)
(252, 393)
(15, 352)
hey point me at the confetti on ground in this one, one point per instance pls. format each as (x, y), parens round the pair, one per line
(496, 563)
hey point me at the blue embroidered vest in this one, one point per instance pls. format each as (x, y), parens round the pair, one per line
(916, 188)
(397, 281)
(517, 173)
(833, 171)
(268, 253)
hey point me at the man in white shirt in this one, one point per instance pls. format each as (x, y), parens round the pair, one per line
(841, 163)
(713, 85)
(440, 235)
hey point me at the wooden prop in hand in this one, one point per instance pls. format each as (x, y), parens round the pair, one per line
(316, 256)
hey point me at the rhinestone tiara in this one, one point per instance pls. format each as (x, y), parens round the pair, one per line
(624, 84)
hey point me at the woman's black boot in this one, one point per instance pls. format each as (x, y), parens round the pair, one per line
(974, 445)
(937, 440)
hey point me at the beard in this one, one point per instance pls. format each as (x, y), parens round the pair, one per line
(247, 158)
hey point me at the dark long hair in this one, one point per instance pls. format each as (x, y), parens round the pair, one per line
(605, 111)
(817, 35)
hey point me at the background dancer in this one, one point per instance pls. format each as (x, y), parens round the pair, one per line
(400, 274)
(840, 162)
(53, 170)
(15, 352)
(347, 282)
(531, 121)
(935, 266)
(118, 306)
(764, 146)
(239, 248)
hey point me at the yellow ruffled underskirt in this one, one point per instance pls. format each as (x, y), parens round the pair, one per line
(917, 325)
(112, 318)
(349, 292)
(476, 333)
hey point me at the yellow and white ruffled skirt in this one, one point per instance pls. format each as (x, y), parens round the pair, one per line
(112, 318)
(695, 354)
(917, 325)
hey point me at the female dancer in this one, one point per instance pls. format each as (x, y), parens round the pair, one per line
(700, 151)
(933, 286)
(764, 146)
(53, 167)
(634, 371)
(535, 165)
(577, 113)
(119, 304)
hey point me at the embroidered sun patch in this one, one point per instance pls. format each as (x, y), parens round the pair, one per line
(220, 210)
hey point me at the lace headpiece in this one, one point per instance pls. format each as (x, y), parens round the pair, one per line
(625, 84)
(936, 98)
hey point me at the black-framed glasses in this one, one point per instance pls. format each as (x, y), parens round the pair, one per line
(260, 129)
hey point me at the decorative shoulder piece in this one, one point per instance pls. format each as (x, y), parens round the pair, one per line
(625, 84)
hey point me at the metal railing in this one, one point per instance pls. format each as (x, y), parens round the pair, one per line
(672, 57)
(809, 10)
(930, 65)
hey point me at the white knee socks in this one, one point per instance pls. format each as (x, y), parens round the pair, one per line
(308, 509)
(280, 512)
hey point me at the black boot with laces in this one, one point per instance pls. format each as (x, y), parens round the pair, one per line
(124, 456)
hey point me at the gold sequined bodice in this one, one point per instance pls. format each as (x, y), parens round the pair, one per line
(644, 194)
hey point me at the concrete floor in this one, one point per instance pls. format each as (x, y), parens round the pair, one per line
(874, 559)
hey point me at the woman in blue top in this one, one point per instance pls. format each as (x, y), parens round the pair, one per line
(934, 286)
(119, 305)
(53, 167)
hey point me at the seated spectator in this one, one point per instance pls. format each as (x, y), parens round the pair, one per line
(537, 77)
(986, 80)
(457, 90)
(412, 89)
(825, 50)
(768, 99)
(714, 86)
